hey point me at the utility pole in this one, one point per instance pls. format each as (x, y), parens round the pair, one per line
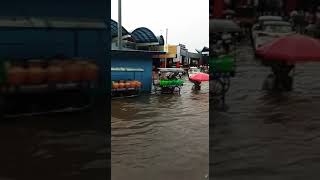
(167, 36)
(119, 25)
(165, 61)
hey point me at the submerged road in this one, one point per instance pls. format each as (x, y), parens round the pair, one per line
(161, 136)
(68, 146)
(267, 136)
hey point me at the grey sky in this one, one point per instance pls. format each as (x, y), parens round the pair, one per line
(187, 20)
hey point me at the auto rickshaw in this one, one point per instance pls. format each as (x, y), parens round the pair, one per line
(169, 80)
(222, 60)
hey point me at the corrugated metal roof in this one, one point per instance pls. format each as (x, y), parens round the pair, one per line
(144, 35)
(204, 49)
(223, 25)
(270, 18)
(277, 23)
(114, 29)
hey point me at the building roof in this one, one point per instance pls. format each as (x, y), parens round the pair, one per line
(270, 18)
(204, 49)
(137, 53)
(114, 29)
(223, 25)
(161, 40)
(277, 23)
(144, 35)
(194, 55)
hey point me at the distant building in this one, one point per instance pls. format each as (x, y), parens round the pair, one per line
(169, 59)
(143, 39)
(204, 56)
(176, 56)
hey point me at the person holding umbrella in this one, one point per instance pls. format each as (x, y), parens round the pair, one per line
(283, 53)
(281, 70)
(196, 86)
(196, 79)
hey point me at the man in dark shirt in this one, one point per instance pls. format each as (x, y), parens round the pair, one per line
(196, 86)
(283, 81)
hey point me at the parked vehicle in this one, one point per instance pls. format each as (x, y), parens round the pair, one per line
(193, 70)
(313, 30)
(259, 25)
(270, 31)
(218, 27)
(222, 61)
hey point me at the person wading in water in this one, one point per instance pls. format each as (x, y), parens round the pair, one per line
(280, 79)
(197, 85)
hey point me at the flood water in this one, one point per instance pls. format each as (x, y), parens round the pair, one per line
(161, 136)
(267, 136)
(68, 146)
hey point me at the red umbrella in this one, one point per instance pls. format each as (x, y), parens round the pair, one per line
(199, 77)
(292, 48)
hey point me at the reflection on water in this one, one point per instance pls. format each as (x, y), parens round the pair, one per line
(161, 136)
(268, 135)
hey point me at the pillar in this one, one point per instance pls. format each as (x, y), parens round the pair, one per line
(291, 5)
(218, 8)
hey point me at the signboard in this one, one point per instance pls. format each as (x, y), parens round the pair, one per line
(171, 52)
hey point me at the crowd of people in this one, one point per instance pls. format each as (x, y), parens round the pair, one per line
(302, 18)
(299, 17)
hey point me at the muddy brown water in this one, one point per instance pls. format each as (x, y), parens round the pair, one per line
(263, 135)
(66, 146)
(161, 136)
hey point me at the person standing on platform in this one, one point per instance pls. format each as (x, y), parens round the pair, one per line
(317, 16)
(309, 17)
(293, 15)
(301, 21)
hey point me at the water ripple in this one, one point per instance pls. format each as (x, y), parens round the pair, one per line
(267, 134)
(154, 131)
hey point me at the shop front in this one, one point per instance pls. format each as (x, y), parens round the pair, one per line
(44, 47)
(41, 50)
(168, 58)
(132, 66)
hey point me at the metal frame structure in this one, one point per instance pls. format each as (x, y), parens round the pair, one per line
(168, 89)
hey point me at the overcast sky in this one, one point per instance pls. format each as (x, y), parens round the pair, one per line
(187, 20)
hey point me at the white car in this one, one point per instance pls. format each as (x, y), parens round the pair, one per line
(272, 30)
(193, 70)
(258, 27)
